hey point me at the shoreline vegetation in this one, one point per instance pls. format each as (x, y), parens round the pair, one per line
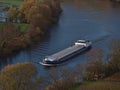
(99, 75)
(35, 18)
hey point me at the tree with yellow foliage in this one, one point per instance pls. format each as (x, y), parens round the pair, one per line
(12, 13)
(21, 76)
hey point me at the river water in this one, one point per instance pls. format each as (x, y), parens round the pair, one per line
(99, 22)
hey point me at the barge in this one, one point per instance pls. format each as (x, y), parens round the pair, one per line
(62, 56)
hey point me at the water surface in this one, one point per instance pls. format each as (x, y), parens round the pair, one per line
(98, 21)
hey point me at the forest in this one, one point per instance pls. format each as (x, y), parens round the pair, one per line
(26, 23)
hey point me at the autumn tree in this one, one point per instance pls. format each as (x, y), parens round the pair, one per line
(113, 63)
(22, 76)
(44, 9)
(12, 13)
(95, 65)
(38, 15)
(8, 32)
(60, 79)
(29, 9)
(64, 78)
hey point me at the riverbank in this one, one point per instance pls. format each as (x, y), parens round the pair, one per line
(112, 82)
(98, 85)
(35, 22)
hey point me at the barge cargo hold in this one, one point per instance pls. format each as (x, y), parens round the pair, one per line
(64, 55)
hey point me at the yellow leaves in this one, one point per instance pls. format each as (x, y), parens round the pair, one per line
(26, 69)
(18, 77)
(45, 10)
(7, 83)
(12, 12)
(30, 8)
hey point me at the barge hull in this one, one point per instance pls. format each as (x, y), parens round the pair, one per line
(65, 58)
(62, 56)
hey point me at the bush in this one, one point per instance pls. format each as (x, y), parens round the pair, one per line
(95, 65)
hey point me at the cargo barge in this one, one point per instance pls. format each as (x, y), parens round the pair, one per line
(62, 56)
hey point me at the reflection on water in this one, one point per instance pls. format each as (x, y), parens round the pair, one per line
(96, 21)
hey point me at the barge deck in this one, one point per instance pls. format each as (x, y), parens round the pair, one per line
(63, 55)
(66, 52)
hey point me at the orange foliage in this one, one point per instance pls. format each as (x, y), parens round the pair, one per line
(21, 76)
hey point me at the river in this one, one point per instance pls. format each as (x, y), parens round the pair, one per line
(83, 21)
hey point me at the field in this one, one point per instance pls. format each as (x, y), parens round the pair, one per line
(7, 3)
(23, 27)
(110, 83)
(10, 2)
(98, 85)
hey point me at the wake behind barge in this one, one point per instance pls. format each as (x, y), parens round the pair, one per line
(64, 55)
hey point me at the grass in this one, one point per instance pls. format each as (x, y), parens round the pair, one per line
(23, 27)
(2, 25)
(75, 87)
(98, 85)
(10, 2)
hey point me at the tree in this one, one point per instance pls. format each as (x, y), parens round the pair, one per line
(113, 63)
(12, 13)
(9, 32)
(95, 65)
(29, 9)
(21, 76)
(64, 78)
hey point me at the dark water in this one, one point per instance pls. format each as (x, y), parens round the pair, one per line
(96, 23)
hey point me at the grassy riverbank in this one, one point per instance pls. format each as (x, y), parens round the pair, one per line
(109, 83)
(10, 2)
(98, 85)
